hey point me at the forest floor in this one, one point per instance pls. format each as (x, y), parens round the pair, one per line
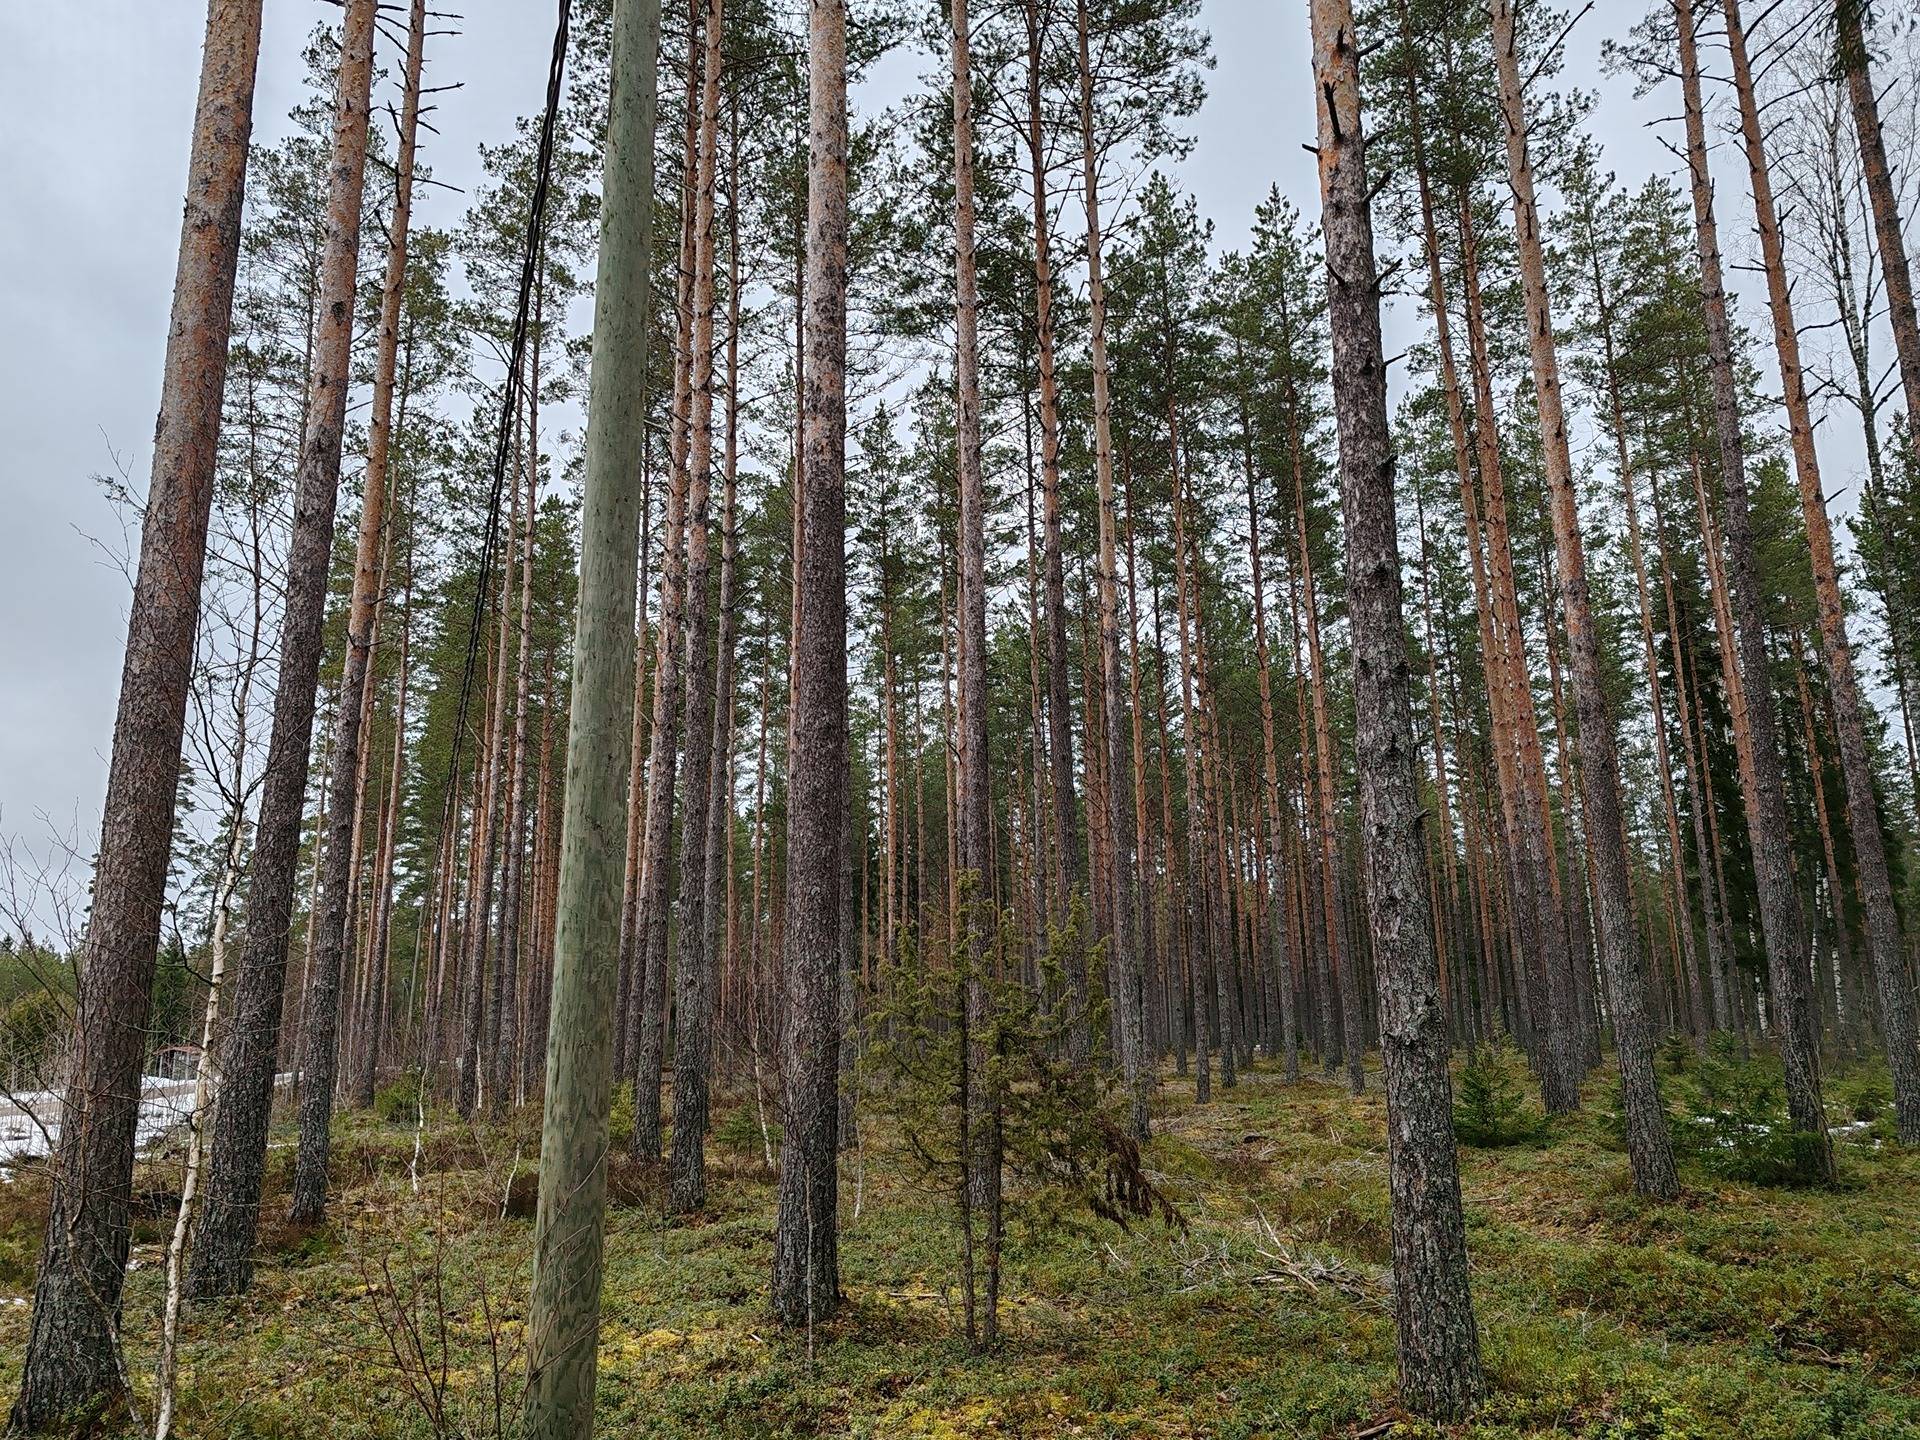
(1739, 1310)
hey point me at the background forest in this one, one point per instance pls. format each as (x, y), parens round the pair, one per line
(1142, 1090)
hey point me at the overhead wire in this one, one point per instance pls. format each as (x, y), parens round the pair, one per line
(512, 392)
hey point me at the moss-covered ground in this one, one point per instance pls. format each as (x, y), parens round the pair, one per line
(1743, 1311)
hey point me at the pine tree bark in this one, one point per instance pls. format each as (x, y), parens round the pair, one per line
(1649, 1147)
(335, 911)
(719, 872)
(693, 958)
(806, 1265)
(1764, 786)
(631, 964)
(1545, 970)
(1200, 949)
(1146, 887)
(1320, 939)
(1454, 983)
(353, 969)
(479, 1018)
(72, 1357)
(223, 1245)
(503, 1059)
(1069, 875)
(1272, 797)
(1883, 937)
(569, 1227)
(1180, 1004)
(974, 779)
(1129, 997)
(1884, 943)
(1856, 66)
(1719, 965)
(1836, 893)
(1439, 1349)
(1682, 909)
(1342, 964)
(375, 1025)
(649, 1003)
(333, 921)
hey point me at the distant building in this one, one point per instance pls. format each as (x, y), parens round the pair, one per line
(175, 1062)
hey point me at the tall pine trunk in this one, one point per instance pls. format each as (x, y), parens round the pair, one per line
(503, 1062)
(693, 959)
(1545, 968)
(223, 1248)
(721, 936)
(1763, 783)
(375, 1025)
(974, 780)
(1439, 1348)
(1649, 1147)
(1128, 976)
(806, 1263)
(343, 784)
(1836, 650)
(1069, 871)
(1682, 913)
(647, 1044)
(1883, 200)
(72, 1357)
(1272, 797)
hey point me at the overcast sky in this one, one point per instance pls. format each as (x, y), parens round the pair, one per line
(97, 102)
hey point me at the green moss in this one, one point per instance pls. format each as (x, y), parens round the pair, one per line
(1740, 1310)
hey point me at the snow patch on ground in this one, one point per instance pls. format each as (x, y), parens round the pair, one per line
(29, 1121)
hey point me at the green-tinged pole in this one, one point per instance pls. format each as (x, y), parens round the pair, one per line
(569, 1234)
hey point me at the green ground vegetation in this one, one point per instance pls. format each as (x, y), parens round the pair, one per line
(1768, 1311)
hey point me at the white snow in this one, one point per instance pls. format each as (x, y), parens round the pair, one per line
(29, 1120)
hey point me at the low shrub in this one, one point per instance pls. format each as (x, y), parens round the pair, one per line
(398, 1101)
(1737, 1125)
(1677, 1053)
(739, 1129)
(1490, 1109)
(1865, 1094)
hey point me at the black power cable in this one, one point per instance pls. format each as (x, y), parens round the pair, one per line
(510, 399)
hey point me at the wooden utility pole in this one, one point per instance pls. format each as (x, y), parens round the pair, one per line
(570, 1225)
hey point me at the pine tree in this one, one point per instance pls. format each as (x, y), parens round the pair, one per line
(222, 1253)
(1439, 1347)
(1883, 925)
(73, 1356)
(806, 1268)
(1648, 1145)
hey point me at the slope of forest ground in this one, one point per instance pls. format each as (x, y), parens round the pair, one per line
(1748, 1310)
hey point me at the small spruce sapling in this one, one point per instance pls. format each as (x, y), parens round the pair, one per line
(1491, 1109)
(1067, 1157)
